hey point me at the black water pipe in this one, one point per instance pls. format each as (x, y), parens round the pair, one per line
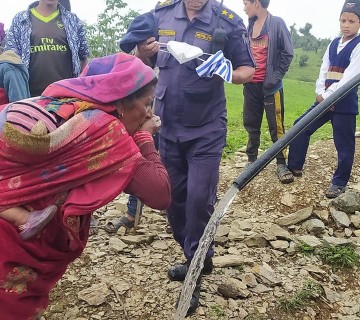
(253, 170)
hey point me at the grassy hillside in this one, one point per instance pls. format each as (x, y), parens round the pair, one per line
(299, 95)
(299, 89)
(308, 73)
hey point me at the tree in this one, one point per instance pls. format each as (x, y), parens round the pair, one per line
(306, 40)
(295, 37)
(306, 30)
(103, 37)
(309, 43)
(324, 42)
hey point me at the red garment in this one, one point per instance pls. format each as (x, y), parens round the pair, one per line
(85, 163)
(90, 159)
(150, 182)
(3, 97)
(89, 145)
(259, 50)
(29, 269)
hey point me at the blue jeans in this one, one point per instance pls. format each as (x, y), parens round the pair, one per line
(132, 204)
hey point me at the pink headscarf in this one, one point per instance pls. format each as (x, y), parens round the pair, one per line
(105, 80)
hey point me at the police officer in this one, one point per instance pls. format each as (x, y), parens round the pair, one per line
(193, 114)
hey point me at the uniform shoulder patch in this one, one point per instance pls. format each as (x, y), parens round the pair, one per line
(227, 14)
(165, 3)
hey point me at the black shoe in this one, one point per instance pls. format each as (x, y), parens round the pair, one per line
(178, 272)
(194, 302)
(208, 266)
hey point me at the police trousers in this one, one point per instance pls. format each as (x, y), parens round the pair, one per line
(193, 168)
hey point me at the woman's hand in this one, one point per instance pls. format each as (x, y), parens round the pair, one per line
(152, 124)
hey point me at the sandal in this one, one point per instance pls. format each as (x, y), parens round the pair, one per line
(284, 174)
(36, 221)
(334, 191)
(114, 225)
(94, 227)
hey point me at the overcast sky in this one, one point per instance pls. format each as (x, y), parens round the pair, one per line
(322, 14)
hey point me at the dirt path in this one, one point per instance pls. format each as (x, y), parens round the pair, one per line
(129, 281)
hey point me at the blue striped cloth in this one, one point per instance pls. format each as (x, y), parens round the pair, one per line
(216, 64)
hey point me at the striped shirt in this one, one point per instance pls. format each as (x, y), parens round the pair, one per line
(27, 116)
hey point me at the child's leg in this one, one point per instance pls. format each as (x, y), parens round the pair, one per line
(30, 222)
(16, 215)
(344, 127)
(299, 146)
(36, 221)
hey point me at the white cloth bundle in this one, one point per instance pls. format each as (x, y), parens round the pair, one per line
(183, 52)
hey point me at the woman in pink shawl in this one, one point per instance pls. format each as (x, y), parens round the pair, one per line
(78, 146)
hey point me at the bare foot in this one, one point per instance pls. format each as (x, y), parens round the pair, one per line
(94, 227)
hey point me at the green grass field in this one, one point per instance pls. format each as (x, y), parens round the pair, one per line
(299, 92)
(310, 72)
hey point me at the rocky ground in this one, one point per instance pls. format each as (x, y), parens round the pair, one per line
(258, 261)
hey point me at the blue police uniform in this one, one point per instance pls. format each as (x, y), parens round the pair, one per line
(193, 114)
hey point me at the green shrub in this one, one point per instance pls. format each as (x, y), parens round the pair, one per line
(340, 256)
(310, 290)
(303, 60)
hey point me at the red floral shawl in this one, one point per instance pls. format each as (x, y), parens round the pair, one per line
(91, 159)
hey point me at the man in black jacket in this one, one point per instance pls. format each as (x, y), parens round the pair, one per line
(272, 50)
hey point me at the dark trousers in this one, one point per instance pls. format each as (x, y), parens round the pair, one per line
(344, 126)
(193, 168)
(254, 105)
